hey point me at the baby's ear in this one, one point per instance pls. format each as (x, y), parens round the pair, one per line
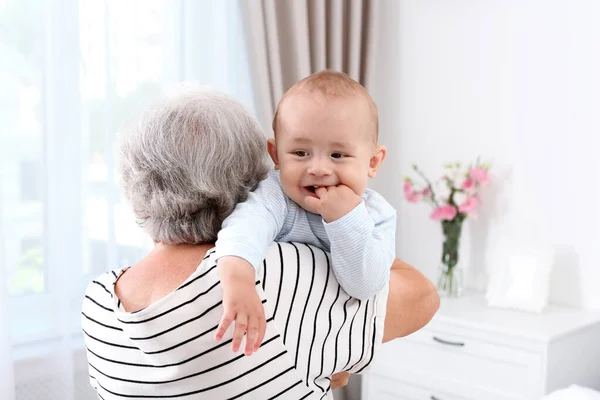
(272, 149)
(377, 160)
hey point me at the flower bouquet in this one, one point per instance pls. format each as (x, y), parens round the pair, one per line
(454, 198)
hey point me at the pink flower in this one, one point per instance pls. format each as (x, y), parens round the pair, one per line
(414, 197)
(410, 194)
(447, 212)
(480, 175)
(469, 205)
(426, 192)
(408, 187)
(468, 185)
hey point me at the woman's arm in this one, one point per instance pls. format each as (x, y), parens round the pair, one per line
(412, 301)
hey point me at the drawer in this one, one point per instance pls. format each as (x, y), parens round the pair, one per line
(407, 384)
(461, 360)
(382, 388)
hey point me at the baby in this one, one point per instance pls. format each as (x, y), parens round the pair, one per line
(325, 149)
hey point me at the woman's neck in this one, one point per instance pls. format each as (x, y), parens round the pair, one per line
(177, 250)
(162, 271)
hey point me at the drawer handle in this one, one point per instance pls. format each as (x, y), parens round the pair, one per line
(442, 341)
(432, 397)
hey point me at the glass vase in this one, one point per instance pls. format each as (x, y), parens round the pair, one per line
(450, 278)
(450, 281)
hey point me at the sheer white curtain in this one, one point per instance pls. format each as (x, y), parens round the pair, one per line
(71, 72)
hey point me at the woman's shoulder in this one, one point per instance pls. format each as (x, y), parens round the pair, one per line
(311, 311)
(102, 288)
(294, 253)
(105, 282)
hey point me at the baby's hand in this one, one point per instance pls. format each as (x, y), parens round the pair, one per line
(241, 304)
(334, 201)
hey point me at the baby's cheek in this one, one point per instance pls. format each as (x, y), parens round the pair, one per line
(359, 185)
(289, 189)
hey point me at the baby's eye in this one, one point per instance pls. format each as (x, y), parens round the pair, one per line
(300, 153)
(337, 155)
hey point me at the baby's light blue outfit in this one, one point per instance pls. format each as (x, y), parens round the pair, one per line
(362, 243)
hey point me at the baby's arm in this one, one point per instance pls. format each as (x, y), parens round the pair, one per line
(253, 225)
(241, 246)
(363, 246)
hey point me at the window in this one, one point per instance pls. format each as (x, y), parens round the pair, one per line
(27, 276)
(22, 127)
(72, 72)
(30, 180)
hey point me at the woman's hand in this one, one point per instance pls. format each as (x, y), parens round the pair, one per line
(340, 379)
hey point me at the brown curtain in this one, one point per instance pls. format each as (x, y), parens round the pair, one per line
(288, 40)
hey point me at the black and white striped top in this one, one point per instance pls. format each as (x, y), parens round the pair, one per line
(167, 350)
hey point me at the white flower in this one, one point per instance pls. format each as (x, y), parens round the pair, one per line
(442, 190)
(459, 179)
(459, 198)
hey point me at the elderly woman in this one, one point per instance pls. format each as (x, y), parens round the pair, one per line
(149, 327)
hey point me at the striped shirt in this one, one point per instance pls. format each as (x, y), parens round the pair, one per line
(362, 242)
(167, 350)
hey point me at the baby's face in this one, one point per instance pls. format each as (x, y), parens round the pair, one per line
(323, 142)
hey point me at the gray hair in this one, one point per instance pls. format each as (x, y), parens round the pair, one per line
(188, 161)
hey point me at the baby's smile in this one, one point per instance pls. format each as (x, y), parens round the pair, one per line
(313, 188)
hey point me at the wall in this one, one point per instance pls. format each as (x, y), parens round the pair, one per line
(516, 82)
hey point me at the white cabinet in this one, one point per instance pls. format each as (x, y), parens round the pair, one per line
(472, 352)
(390, 389)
